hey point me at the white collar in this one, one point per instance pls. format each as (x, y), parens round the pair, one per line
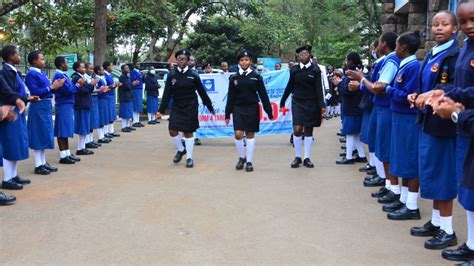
(439, 48)
(105, 71)
(407, 60)
(61, 72)
(184, 70)
(36, 69)
(307, 65)
(12, 67)
(80, 75)
(380, 59)
(242, 71)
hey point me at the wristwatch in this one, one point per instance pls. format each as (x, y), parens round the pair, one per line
(454, 116)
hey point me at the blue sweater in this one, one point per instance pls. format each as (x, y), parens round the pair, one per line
(136, 75)
(110, 81)
(38, 84)
(65, 94)
(83, 97)
(384, 99)
(406, 82)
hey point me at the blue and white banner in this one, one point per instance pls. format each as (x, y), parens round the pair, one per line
(217, 85)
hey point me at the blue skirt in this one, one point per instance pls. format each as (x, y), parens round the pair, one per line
(466, 196)
(112, 110)
(351, 124)
(404, 146)
(64, 122)
(437, 165)
(137, 100)
(104, 111)
(384, 132)
(372, 130)
(95, 122)
(126, 110)
(40, 125)
(14, 138)
(152, 104)
(364, 131)
(82, 122)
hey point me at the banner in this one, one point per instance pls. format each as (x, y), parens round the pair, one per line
(217, 85)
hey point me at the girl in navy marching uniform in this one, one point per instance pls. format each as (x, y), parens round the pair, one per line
(14, 134)
(104, 110)
(405, 132)
(125, 99)
(307, 105)
(352, 123)
(437, 142)
(110, 131)
(64, 110)
(181, 86)
(40, 113)
(94, 125)
(245, 88)
(82, 107)
(152, 92)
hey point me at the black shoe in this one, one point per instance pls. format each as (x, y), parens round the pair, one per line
(152, 122)
(96, 144)
(296, 162)
(197, 142)
(77, 159)
(342, 140)
(428, 229)
(343, 147)
(307, 162)
(21, 180)
(345, 161)
(462, 253)
(372, 172)
(360, 159)
(84, 152)
(380, 193)
(131, 128)
(67, 160)
(11, 185)
(105, 141)
(41, 170)
(340, 134)
(441, 240)
(249, 167)
(375, 182)
(404, 214)
(466, 263)
(189, 163)
(179, 155)
(366, 168)
(91, 145)
(240, 164)
(115, 135)
(371, 177)
(138, 124)
(50, 168)
(6, 200)
(108, 135)
(157, 122)
(394, 206)
(389, 198)
(126, 130)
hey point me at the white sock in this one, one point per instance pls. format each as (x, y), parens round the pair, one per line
(111, 128)
(38, 157)
(68, 152)
(8, 170)
(101, 133)
(388, 184)
(239, 145)
(404, 195)
(435, 217)
(371, 159)
(308, 142)
(80, 142)
(395, 189)
(190, 147)
(297, 141)
(150, 117)
(178, 143)
(124, 123)
(358, 146)
(63, 154)
(412, 200)
(379, 167)
(446, 224)
(15, 168)
(43, 157)
(91, 137)
(349, 146)
(136, 117)
(470, 230)
(250, 149)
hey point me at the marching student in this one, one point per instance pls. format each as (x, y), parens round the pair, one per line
(14, 134)
(64, 110)
(109, 129)
(40, 113)
(104, 104)
(181, 86)
(152, 86)
(246, 87)
(437, 143)
(137, 91)
(82, 107)
(307, 105)
(405, 132)
(125, 99)
(352, 123)
(94, 125)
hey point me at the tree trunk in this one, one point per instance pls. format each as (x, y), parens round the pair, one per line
(100, 31)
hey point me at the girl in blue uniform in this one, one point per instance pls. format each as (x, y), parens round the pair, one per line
(152, 86)
(110, 132)
(137, 91)
(64, 110)
(126, 99)
(437, 141)
(94, 125)
(104, 110)
(40, 113)
(405, 132)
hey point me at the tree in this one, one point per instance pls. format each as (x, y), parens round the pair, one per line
(100, 31)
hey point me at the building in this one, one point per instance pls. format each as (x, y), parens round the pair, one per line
(410, 15)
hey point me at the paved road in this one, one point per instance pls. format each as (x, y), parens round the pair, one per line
(129, 204)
